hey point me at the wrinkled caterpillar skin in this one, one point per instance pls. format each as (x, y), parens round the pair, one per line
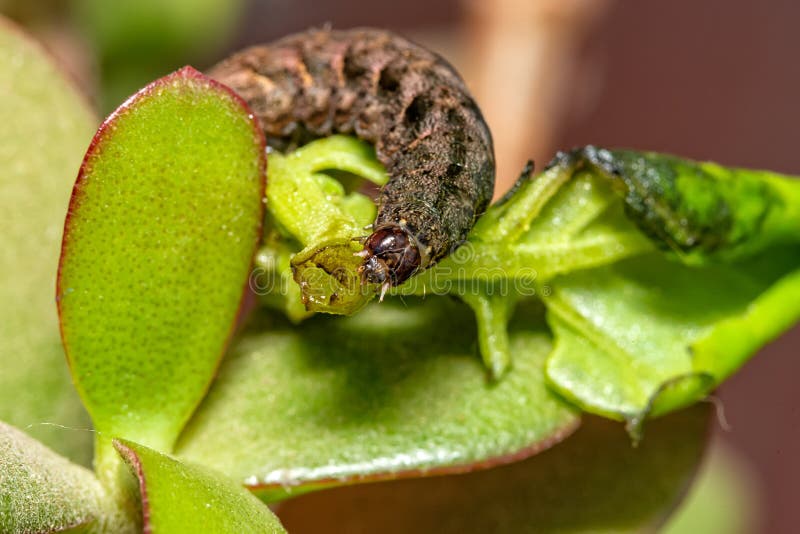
(409, 103)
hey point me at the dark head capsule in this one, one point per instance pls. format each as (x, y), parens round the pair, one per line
(391, 256)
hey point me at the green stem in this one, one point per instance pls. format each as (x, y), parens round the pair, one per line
(512, 219)
(519, 266)
(341, 153)
(492, 313)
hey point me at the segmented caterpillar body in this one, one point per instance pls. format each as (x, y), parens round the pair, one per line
(405, 100)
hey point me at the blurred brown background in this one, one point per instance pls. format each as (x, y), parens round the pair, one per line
(717, 80)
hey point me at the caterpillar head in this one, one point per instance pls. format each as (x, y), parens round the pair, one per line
(391, 256)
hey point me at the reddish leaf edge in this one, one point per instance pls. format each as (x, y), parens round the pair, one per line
(95, 145)
(273, 492)
(132, 459)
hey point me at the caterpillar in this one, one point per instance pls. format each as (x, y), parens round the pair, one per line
(405, 100)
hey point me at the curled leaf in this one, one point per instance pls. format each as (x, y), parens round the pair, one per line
(661, 276)
(625, 333)
(649, 334)
(328, 277)
(313, 209)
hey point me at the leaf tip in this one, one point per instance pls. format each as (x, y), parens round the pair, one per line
(187, 71)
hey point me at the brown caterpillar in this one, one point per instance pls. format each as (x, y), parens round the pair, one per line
(409, 103)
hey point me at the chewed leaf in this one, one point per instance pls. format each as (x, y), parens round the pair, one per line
(594, 481)
(661, 276)
(328, 278)
(162, 227)
(642, 335)
(394, 391)
(46, 127)
(178, 498)
(649, 334)
(314, 210)
(629, 251)
(41, 491)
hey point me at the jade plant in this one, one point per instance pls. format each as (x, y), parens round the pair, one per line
(193, 292)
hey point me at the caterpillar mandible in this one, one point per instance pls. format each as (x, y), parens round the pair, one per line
(404, 99)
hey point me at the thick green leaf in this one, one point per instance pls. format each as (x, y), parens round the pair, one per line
(649, 334)
(41, 491)
(178, 498)
(595, 482)
(662, 275)
(553, 223)
(555, 238)
(162, 227)
(653, 270)
(394, 391)
(629, 335)
(46, 128)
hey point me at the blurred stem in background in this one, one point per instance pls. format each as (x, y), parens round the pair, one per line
(523, 69)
